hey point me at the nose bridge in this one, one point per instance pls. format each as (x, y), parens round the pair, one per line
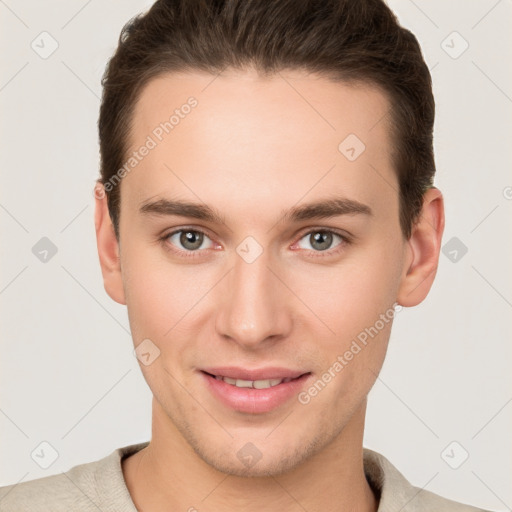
(254, 307)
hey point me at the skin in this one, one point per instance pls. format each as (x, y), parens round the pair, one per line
(254, 148)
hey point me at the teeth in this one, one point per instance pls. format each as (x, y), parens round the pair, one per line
(239, 383)
(256, 384)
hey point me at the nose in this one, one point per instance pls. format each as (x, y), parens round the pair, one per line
(255, 307)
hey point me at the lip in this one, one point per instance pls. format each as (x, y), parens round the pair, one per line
(273, 372)
(255, 401)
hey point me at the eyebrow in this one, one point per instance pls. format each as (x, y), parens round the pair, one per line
(316, 210)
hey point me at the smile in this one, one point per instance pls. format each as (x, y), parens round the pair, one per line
(255, 384)
(254, 396)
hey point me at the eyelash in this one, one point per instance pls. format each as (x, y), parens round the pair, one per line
(345, 240)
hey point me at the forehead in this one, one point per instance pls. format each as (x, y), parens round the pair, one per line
(292, 132)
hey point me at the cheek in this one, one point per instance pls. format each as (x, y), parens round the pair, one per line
(158, 294)
(350, 296)
(360, 313)
(355, 300)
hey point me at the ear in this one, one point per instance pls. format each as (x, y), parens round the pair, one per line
(423, 250)
(108, 247)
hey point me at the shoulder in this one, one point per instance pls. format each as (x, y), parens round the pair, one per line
(92, 486)
(56, 492)
(397, 493)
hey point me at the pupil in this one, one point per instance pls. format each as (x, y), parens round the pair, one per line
(322, 237)
(188, 237)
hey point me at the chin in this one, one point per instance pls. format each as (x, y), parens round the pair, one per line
(264, 467)
(249, 457)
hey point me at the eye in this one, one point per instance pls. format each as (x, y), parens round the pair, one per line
(187, 240)
(321, 240)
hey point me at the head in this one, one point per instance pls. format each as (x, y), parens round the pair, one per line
(256, 113)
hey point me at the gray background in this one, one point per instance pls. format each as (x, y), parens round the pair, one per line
(68, 376)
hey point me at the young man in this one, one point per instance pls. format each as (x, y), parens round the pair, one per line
(265, 203)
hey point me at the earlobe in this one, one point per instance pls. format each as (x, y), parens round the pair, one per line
(108, 247)
(423, 251)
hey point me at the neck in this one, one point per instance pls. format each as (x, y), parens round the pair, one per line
(169, 475)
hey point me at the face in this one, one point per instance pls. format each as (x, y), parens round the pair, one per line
(271, 282)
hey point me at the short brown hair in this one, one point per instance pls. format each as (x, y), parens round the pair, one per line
(347, 40)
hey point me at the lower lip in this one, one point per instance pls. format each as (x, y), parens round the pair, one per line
(252, 400)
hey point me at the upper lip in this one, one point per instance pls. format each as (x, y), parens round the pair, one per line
(234, 372)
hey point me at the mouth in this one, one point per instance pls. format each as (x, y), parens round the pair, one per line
(255, 384)
(254, 392)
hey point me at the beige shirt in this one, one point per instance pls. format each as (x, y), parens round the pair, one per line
(100, 487)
